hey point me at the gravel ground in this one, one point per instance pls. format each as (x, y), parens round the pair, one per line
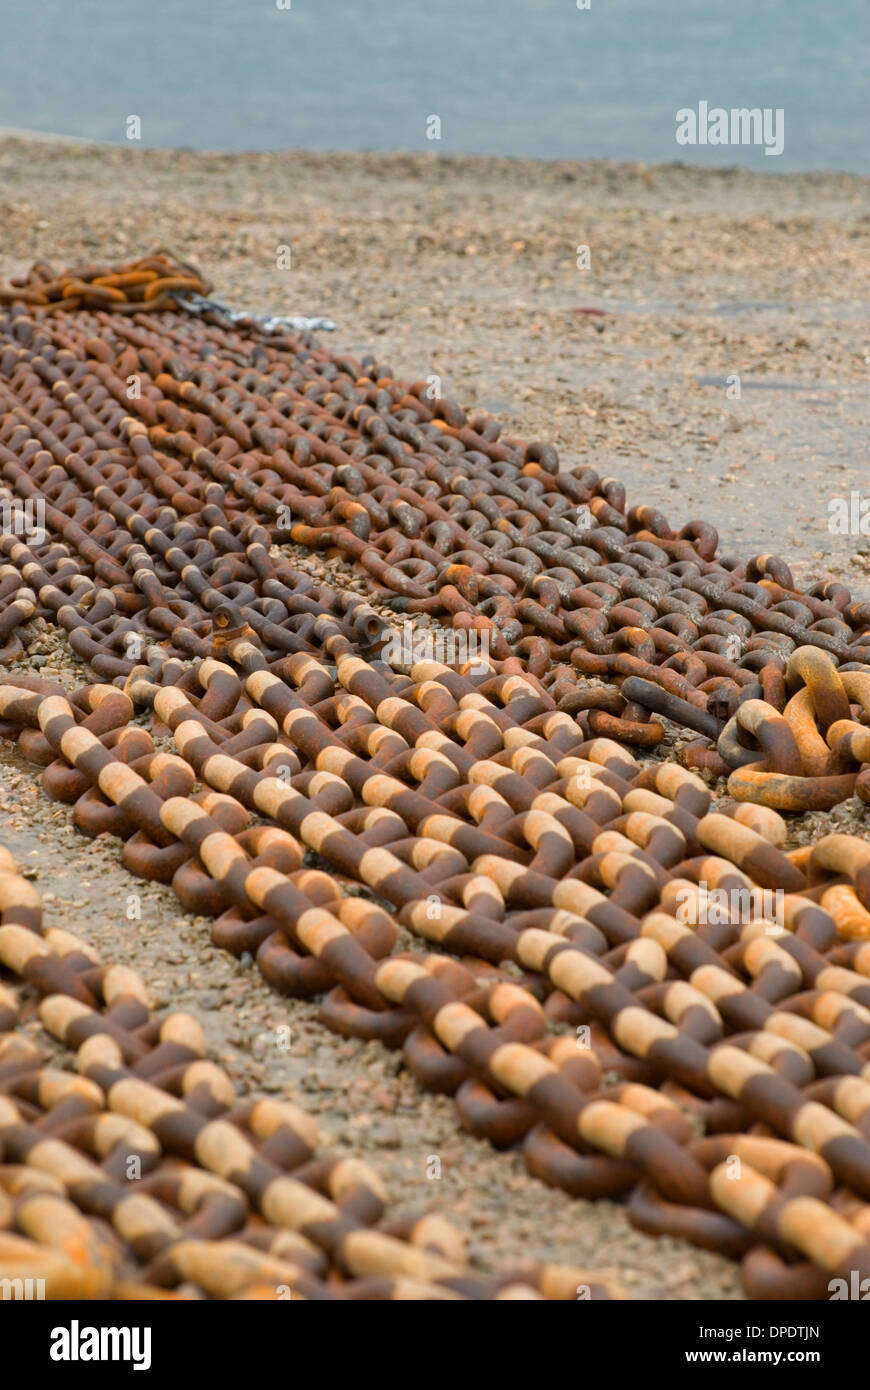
(467, 268)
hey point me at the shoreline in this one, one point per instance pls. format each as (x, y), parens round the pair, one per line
(454, 160)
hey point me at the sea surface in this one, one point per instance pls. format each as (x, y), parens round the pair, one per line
(539, 78)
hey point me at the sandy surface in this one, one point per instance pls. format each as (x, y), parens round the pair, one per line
(467, 268)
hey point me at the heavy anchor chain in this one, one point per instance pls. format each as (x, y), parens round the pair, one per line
(606, 959)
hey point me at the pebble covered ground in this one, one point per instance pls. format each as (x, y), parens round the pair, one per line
(467, 268)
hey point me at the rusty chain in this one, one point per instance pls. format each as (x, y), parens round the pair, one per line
(550, 881)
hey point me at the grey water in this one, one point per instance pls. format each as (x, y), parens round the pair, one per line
(539, 78)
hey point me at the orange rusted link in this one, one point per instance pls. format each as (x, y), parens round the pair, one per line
(774, 735)
(699, 754)
(670, 706)
(711, 1230)
(643, 734)
(844, 854)
(767, 1276)
(750, 851)
(783, 793)
(353, 1021)
(818, 673)
(502, 1122)
(580, 1175)
(433, 1065)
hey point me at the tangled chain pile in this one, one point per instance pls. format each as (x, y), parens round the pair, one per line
(143, 1177)
(465, 862)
